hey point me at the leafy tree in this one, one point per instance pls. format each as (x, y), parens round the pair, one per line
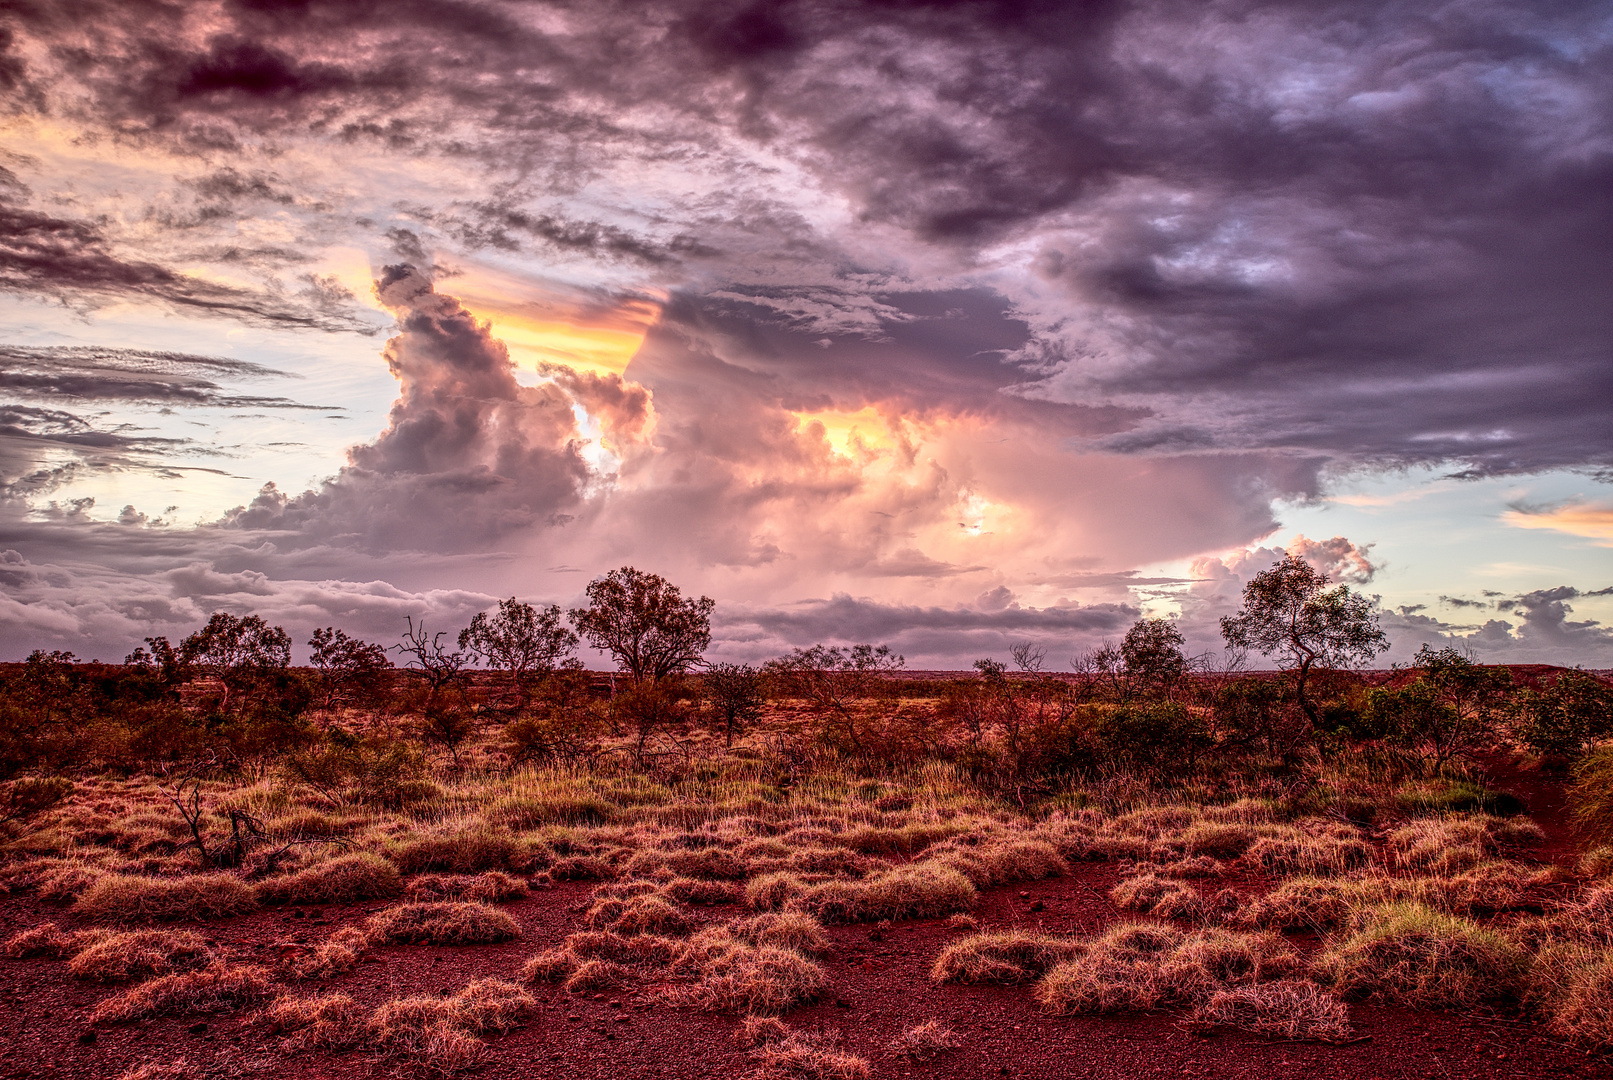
(1288, 612)
(1154, 662)
(1250, 711)
(520, 640)
(1449, 711)
(238, 651)
(645, 623)
(738, 693)
(1566, 717)
(345, 664)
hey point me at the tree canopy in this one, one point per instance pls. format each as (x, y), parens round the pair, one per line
(644, 622)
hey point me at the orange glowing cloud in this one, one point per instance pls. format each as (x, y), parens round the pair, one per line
(1591, 520)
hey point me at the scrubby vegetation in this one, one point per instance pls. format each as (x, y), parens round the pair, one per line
(1277, 846)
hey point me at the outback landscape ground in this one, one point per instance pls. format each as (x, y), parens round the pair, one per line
(219, 865)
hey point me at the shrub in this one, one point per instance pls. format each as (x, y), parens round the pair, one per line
(336, 955)
(328, 1022)
(218, 987)
(1291, 1009)
(1412, 955)
(456, 923)
(345, 879)
(923, 1041)
(139, 955)
(1006, 957)
(131, 898)
(492, 887)
(922, 890)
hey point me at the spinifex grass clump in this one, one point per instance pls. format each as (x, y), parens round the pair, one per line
(454, 923)
(218, 987)
(345, 879)
(1414, 955)
(1005, 957)
(131, 898)
(139, 954)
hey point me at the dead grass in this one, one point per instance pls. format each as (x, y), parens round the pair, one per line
(785, 930)
(453, 923)
(695, 891)
(592, 976)
(770, 892)
(1411, 954)
(424, 1032)
(132, 898)
(346, 879)
(493, 1005)
(491, 887)
(1290, 1009)
(140, 954)
(1006, 958)
(1197, 866)
(921, 1042)
(177, 1069)
(1314, 848)
(1581, 995)
(218, 987)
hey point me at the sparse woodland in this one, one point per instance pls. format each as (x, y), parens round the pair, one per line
(1246, 855)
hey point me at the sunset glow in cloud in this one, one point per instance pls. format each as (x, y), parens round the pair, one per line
(947, 325)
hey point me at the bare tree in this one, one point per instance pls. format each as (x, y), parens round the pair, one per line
(428, 659)
(645, 623)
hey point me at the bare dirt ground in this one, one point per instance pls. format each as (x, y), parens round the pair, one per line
(879, 984)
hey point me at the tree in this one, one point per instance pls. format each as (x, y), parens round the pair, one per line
(238, 651)
(345, 664)
(1450, 709)
(645, 623)
(737, 692)
(1152, 651)
(1567, 717)
(520, 640)
(1288, 612)
(428, 659)
(832, 677)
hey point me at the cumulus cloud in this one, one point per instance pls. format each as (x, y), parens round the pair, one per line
(469, 454)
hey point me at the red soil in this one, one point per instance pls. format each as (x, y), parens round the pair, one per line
(879, 985)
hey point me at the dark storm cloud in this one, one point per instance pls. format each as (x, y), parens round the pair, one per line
(89, 373)
(955, 636)
(73, 260)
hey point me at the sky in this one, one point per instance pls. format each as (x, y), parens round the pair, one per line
(942, 325)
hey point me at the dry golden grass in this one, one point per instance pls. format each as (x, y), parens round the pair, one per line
(345, 879)
(1006, 958)
(491, 887)
(1314, 848)
(338, 954)
(770, 892)
(732, 975)
(453, 923)
(1140, 966)
(327, 1022)
(1577, 987)
(921, 890)
(807, 1056)
(1163, 896)
(786, 930)
(465, 849)
(218, 987)
(493, 1005)
(695, 891)
(1291, 1009)
(921, 1042)
(637, 915)
(177, 1069)
(46, 939)
(1413, 955)
(132, 898)
(424, 1033)
(592, 976)
(140, 954)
